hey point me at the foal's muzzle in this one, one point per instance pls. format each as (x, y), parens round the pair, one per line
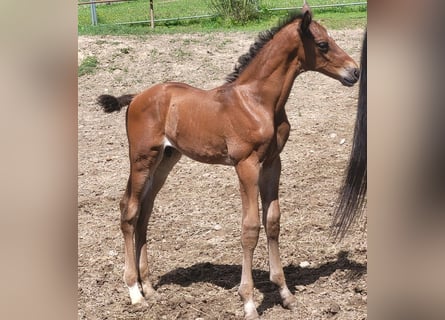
(350, 77)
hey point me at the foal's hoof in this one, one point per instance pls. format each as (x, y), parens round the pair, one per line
(252, 317)
(290, 303)
(153, 297)
(250, 312)
(140, 303)
(148, 291)
(137, 300)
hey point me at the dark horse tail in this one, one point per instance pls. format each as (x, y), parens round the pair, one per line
(111, 103)
(352, 198)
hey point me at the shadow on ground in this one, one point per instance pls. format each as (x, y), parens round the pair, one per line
(228, 276)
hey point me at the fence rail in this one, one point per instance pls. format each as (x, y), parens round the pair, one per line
(324, 6)
(101, 1)
(152, 11)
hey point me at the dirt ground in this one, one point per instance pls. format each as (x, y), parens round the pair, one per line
(194, 233)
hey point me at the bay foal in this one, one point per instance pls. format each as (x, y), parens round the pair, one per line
(242, 123)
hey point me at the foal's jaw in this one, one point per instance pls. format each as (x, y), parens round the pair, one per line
(347, 75)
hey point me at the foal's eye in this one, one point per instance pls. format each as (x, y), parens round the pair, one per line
(324, 46)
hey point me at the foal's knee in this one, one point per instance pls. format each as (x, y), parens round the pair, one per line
(250, 233)
(273, 226)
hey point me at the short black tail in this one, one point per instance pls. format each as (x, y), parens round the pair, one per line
(352, 198)
(111, 103)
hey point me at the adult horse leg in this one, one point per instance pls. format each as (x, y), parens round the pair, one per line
(248, 172)
(170, 158)
(142, 166)
(269, 184)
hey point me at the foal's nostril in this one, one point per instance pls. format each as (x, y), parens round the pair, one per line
(356, 72)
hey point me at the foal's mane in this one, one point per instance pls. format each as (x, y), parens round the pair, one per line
(263, 38)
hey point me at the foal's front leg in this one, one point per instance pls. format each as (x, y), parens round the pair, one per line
(248, 173)
(269, 184)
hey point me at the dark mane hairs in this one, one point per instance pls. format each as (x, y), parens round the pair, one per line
(263, 38)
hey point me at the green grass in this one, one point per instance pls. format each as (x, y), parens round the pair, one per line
(137, 10)
(342, 18)
(87, 66)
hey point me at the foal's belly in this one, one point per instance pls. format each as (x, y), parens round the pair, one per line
(198, 135)
(203, 151)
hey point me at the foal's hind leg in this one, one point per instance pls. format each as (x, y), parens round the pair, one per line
(142, 166)
(170, 158)
(269, 183)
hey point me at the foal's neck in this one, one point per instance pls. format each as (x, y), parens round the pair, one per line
(272, 72)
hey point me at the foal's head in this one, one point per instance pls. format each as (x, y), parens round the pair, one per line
(321, 53)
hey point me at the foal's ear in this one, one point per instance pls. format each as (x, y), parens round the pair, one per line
(307, 18)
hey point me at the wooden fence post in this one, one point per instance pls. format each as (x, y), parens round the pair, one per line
(152, 20)
(93, 14)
